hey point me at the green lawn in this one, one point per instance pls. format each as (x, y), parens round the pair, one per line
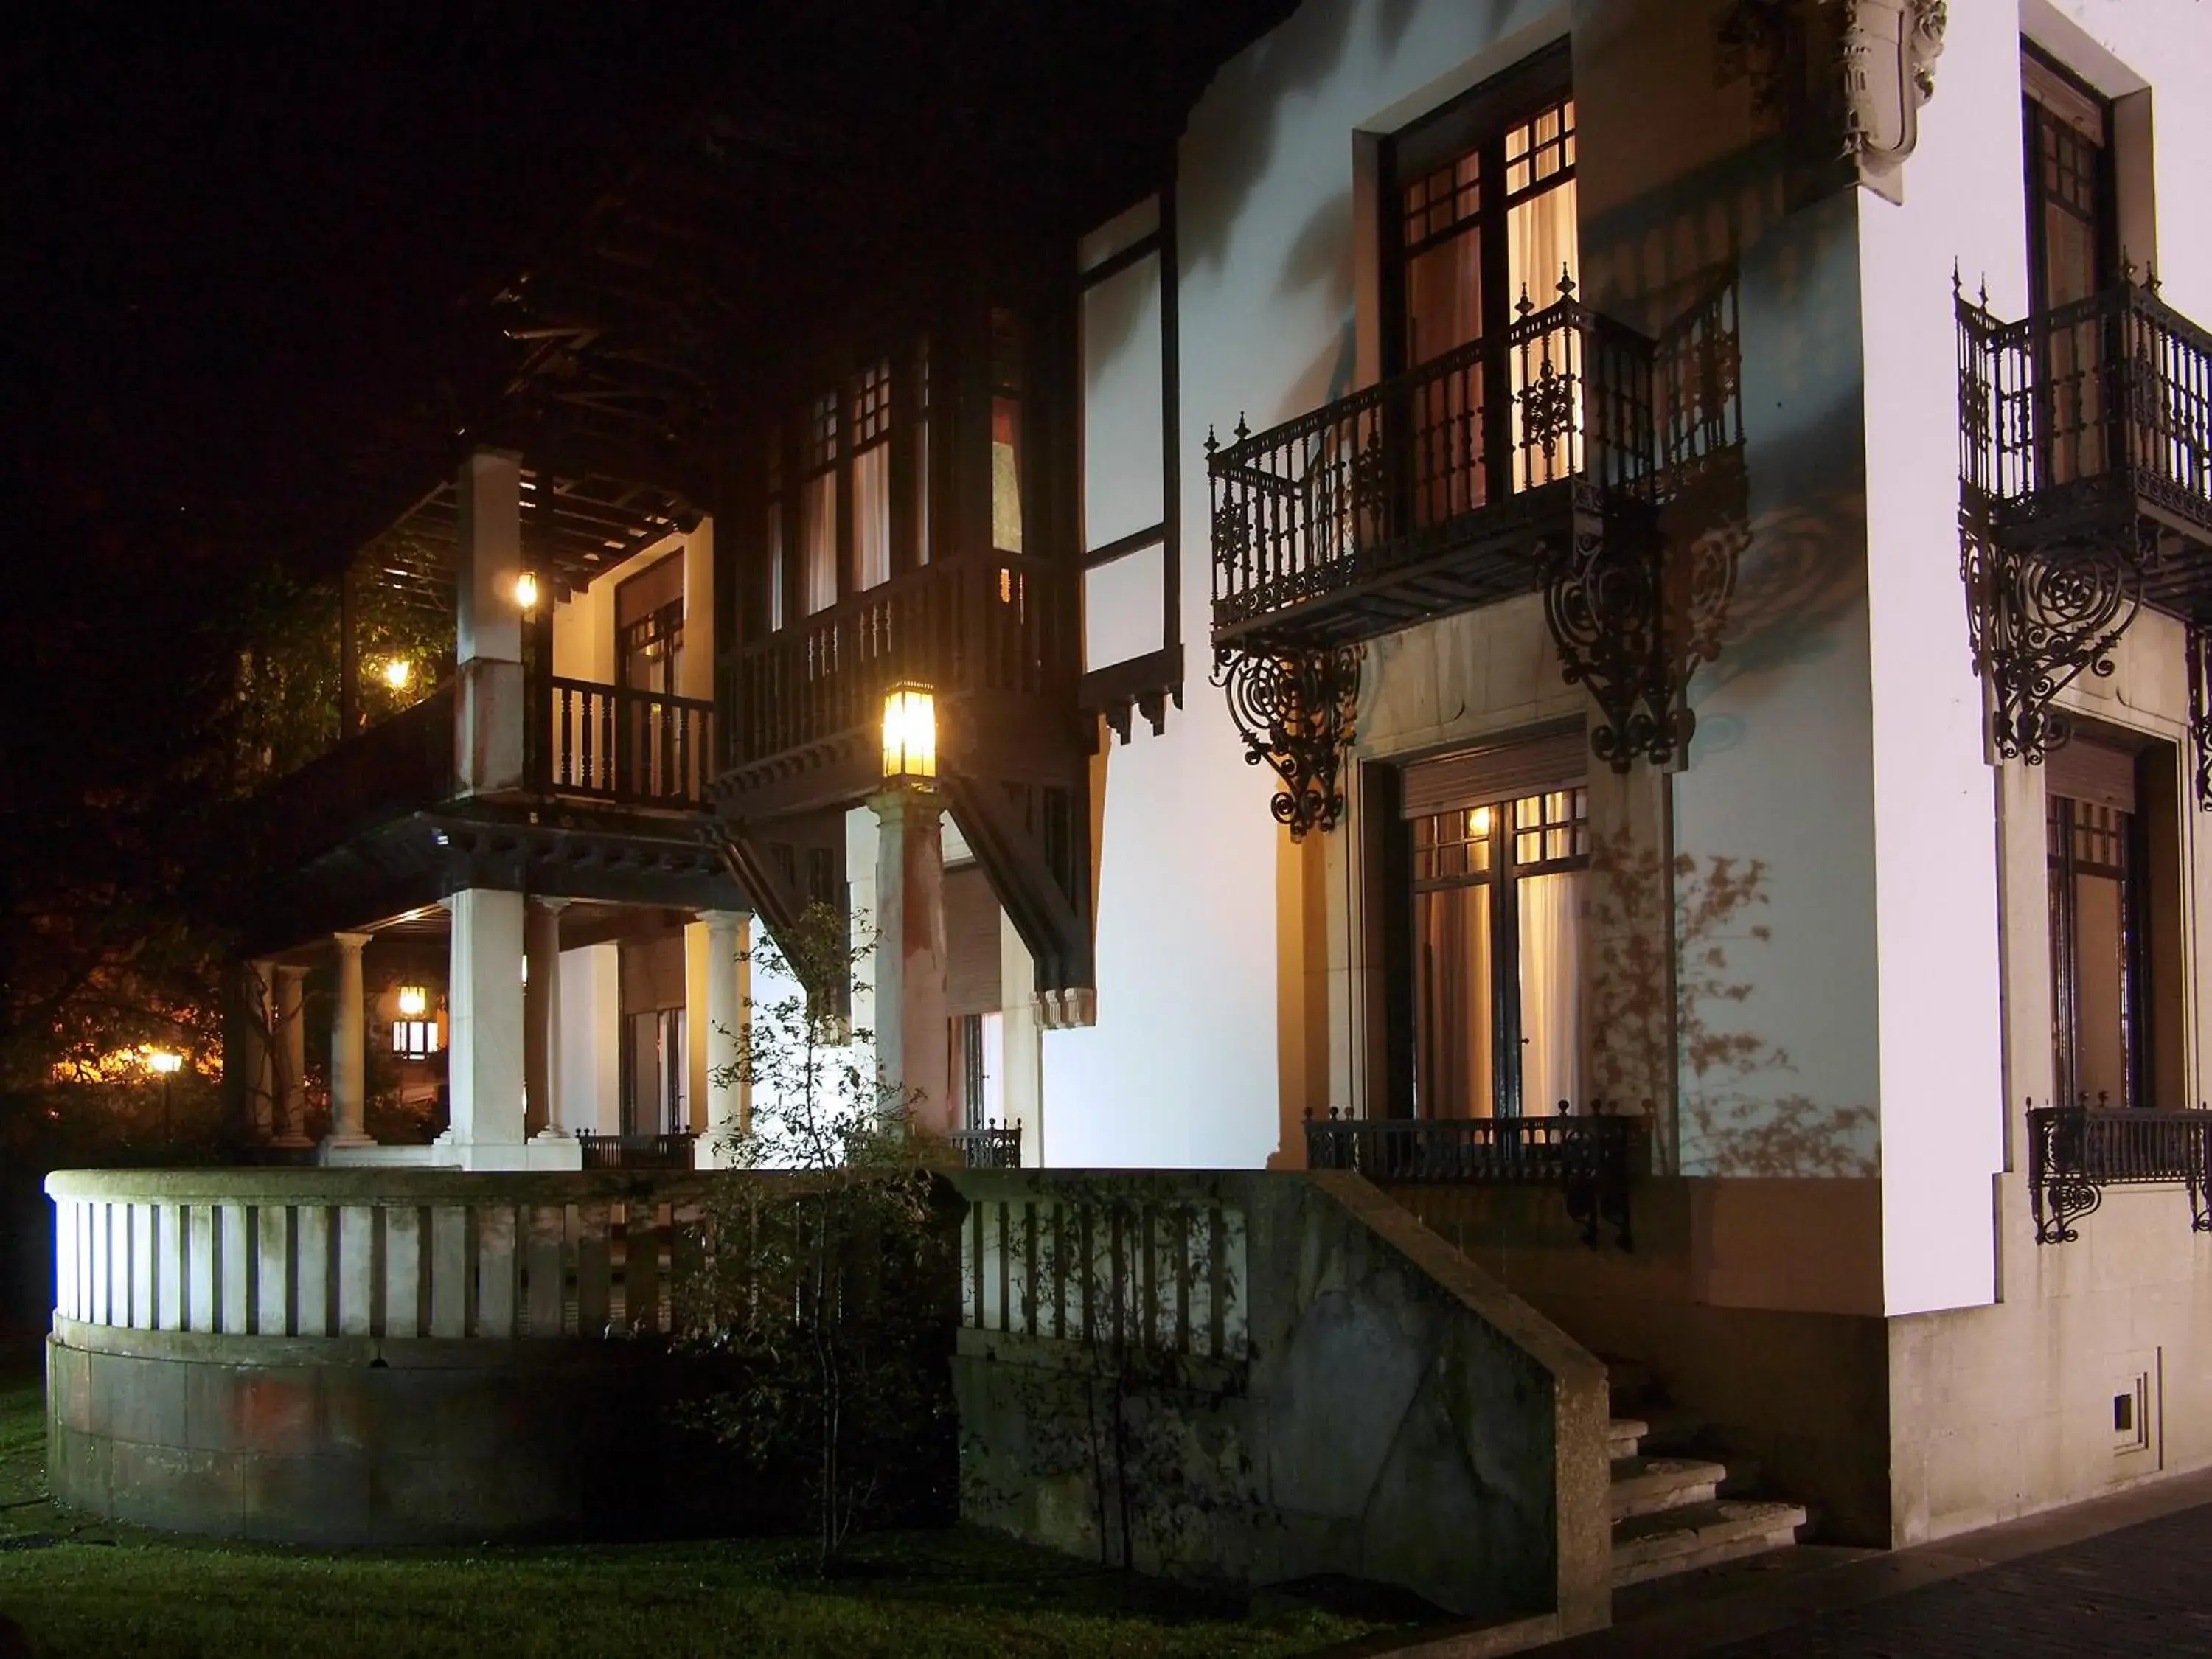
(102, 1589)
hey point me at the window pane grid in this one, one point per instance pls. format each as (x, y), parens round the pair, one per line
(1444, 200)
(1548, 830)
(822, 434)
(1541, 153)
(872, 406)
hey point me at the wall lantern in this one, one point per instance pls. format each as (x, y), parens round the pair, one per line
(414, 1001)
(165, 1062)
(397, 673)
(525, 590)
(909, 734)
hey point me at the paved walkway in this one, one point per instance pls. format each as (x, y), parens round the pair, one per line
(2129, 1574)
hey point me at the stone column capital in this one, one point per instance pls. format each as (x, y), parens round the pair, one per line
(351, 941)
(290, 972)
(722, 922)
(906, 803)
(553, 903)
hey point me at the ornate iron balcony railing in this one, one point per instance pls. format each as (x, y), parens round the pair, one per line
(2107, 400)
(2075, 1152)
(993, 1146)
(1590, 1159)
(1432, 461)
(632, 1152)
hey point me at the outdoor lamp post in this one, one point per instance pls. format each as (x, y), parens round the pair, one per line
(912, 1045)
(164, 1064)
(909, 735)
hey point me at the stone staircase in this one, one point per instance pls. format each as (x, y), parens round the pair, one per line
(1670, 1515)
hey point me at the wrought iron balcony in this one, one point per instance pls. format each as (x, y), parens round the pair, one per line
(994, 1146)
(1444, 487)
(1590, 1158)
(2085, 492)
(2075, 1152)
(1574, 456)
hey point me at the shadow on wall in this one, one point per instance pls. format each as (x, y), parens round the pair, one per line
(1651, 1022)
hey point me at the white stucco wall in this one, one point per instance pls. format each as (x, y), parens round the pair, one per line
(1182, 1068)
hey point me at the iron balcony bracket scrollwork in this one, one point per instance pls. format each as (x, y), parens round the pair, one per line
(2199, 646)
(2075, 1152)
(2040, 616)
(1633, 623)
(1295, 709)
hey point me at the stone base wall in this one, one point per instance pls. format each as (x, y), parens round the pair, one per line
(1752, 1305)
(2001, 1411)
(342, 1442)
(1302, 1381)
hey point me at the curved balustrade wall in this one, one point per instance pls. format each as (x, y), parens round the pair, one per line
(358, 1356)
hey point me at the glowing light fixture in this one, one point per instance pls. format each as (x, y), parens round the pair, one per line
(525, 590)
(164, 1062)
(909, 734)
(414, 1001)
(1478, 823)
(398, 672)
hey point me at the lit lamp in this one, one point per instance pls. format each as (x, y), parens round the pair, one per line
(909, 734)
(414, 1001)
(397, 672)
(525, 590)
(165, 1063)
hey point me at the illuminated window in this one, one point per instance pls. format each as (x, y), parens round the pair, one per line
(1006, 434)
(872, 476)
(415, 1039)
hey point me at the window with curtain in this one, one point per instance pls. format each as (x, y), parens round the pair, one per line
(2099, 960)
(921, 453)
(779, 609)
(871, 476)
(1484, 237)
(2073, 241)
(1006, 433)
(817, 506)
(1500, 887)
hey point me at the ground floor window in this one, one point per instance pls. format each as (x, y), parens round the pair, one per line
(1492, 879)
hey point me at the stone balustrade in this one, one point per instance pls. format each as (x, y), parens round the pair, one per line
(384, 1254)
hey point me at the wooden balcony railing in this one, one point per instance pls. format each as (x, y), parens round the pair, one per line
(2075, 1152)
(1590, 1159)
(398, 765)
(1428, 460)
(2108, 398)
(1000, 623)
(614, 743)
(620, 1151)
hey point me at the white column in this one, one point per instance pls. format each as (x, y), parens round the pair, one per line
(291, 1055)
(729, 989)
(488, 712)
(484, 994)
(1023, 1038)
(540, 1019)
(912, 1041)
(349, 1047)
(257, 1035)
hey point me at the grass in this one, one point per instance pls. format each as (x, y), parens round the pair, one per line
(77, 1586)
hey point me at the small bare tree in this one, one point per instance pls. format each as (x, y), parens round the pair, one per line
(824, 1294)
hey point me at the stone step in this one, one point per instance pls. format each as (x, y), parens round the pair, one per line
(1648, 1485)
(1677, 1540)
(1623, 1435)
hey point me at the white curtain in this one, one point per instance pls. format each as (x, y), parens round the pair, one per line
(818, 534)
(1540, 245)
(871, 515)
(1551, 991)
(778, 607)
(1452, 937)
